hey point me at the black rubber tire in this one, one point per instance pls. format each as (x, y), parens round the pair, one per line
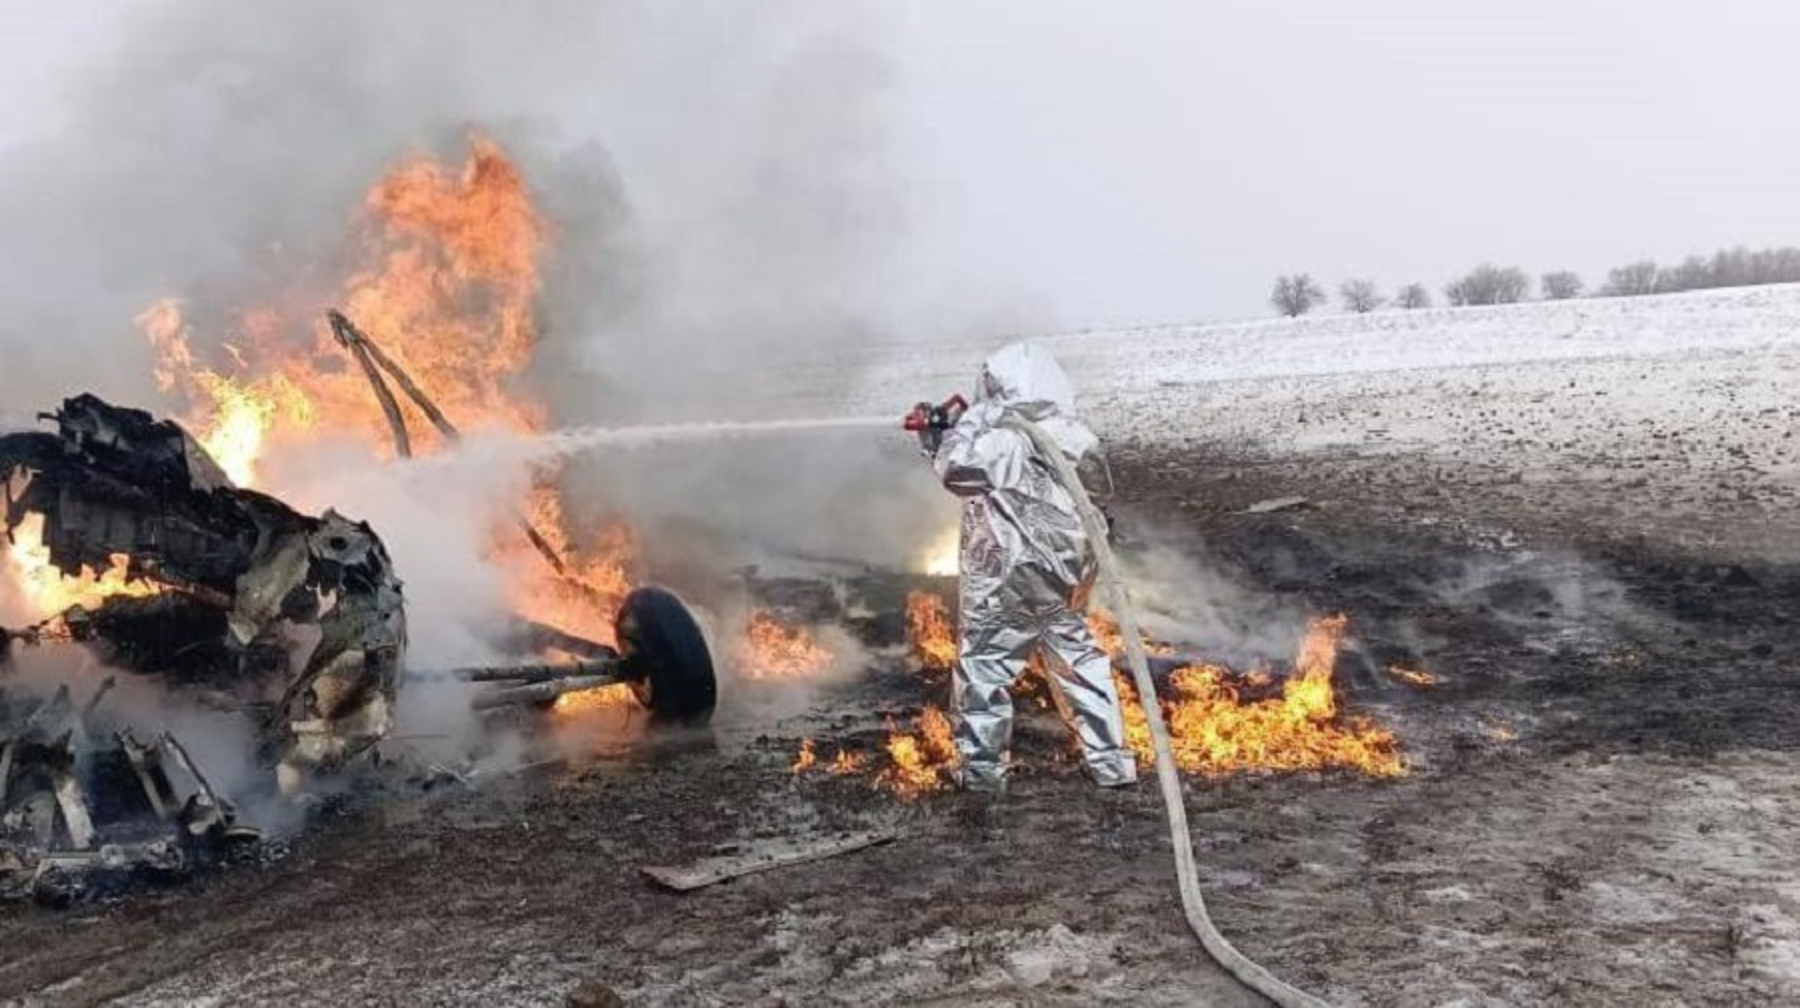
(665, 657)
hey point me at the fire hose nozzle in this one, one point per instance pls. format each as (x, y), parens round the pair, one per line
(941, 417)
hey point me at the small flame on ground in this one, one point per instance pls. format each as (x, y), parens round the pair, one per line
(772, 649)
(49, 590)
(1417, 677)
(846, 763)
(930, 631)
(916, 758)
(1213, 731)
(1500, 731)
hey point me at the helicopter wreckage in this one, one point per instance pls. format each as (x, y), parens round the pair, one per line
(230, 598)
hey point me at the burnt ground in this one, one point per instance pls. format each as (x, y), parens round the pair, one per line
(1601, 807)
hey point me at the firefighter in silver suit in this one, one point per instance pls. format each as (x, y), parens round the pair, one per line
(1026, 571)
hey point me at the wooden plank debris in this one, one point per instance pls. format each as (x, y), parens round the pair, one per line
(1276, 504)
(763, 855)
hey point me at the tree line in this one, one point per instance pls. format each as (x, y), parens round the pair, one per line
(1298, 293)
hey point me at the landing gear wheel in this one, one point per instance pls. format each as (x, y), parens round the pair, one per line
(664, 656)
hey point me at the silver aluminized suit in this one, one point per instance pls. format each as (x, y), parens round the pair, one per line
(1026, 569)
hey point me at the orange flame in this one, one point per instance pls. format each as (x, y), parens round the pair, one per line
(48, 590)
(599, 698)
(242, 412)
(846, 763)
(917, 757)
(771, 649)
(930, 631)
(1213, 731)
(446, 275)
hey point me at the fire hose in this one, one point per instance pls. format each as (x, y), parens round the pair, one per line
(1193, 902)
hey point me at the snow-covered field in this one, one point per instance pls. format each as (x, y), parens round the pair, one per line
(1567, 371)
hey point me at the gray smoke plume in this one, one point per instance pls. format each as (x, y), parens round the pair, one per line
(728, 201)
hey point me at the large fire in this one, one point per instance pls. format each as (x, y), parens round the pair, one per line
(239, 412)
(446, 271)
(771, 649)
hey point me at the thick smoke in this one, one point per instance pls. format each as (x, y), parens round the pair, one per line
(729, 200)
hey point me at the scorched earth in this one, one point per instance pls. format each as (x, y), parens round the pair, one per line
(1562, 540)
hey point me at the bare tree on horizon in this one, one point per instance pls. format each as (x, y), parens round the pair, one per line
(1361, 296)
(1412, 296)
(1561, 285)
(1296, 295)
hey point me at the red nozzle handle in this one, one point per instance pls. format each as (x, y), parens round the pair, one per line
(944, 416)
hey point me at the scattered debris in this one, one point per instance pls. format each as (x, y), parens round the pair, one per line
(80, 814)
(1277, 504)
(1416, 677)
(762, 856)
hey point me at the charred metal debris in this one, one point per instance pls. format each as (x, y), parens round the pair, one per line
(225, 576)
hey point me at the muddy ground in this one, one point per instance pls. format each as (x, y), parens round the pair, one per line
(1601, 807)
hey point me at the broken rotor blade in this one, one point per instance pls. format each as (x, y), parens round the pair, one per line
(348, 337)
(370, 355)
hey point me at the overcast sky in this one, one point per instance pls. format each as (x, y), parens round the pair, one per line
(1138, 161)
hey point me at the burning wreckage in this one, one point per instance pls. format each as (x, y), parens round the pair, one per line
(233, 598)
